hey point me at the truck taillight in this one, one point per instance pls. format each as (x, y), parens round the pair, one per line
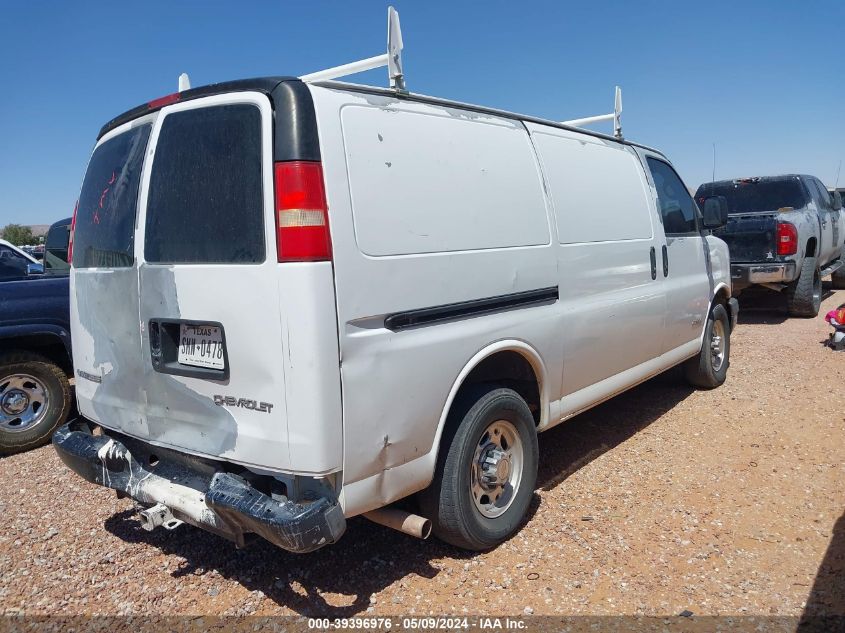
(70, 235)
(787, 239)
(302, 219)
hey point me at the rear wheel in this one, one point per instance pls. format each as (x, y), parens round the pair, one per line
(838, 278)
(34, 400)
(486, 470)
(804, 296)
(710, 368)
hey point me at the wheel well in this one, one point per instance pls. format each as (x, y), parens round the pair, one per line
(508, 369)
(45, 344)
(811, 248)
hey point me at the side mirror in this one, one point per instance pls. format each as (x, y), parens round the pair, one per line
(715, 212)
(836, 200)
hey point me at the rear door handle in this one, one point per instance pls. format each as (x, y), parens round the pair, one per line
(665, 261)
(653, 263)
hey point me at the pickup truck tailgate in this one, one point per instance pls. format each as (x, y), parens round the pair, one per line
(751, 237)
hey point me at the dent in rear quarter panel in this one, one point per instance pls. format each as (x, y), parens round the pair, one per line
(396, 384)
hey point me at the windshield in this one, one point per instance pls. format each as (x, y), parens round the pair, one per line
(105, 219)
(756, 196)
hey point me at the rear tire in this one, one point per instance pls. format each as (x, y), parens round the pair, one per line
(837, 279)
(486, 470)
(34, 400)
(709, 369)
(804, 296)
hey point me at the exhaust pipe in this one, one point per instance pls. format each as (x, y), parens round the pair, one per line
(405, 522)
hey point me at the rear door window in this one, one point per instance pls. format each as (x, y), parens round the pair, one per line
(105, 218)
(756, 196)
(206, 202)
(676, 204)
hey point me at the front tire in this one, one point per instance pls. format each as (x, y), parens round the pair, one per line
(804, 296)
(709, 369)
(486, 470)
(34, 400)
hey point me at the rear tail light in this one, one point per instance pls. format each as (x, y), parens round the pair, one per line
(70, 237)
(302, 219)
(787, 238)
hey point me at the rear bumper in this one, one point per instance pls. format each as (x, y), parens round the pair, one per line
(762, 273)
(196, 492)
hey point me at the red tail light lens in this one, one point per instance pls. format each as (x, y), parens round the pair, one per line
(302, 218)
(70, 237)
(164, 101)
(787, 239)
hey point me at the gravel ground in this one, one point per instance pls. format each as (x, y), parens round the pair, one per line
(661, 500)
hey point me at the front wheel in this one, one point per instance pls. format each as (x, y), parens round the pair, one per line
(486, 470)
(710, 368)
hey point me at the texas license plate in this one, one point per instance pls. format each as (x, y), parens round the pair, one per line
(201, 346)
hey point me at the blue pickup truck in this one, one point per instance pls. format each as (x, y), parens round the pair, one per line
(35, 353)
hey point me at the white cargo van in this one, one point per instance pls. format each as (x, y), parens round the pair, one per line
(298, 302)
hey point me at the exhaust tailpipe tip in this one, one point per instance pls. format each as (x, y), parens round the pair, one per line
(405, 522)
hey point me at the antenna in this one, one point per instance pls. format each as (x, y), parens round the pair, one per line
(184, 82)
(714, 162)
(615, 116)
(838, 169)
(392, 59)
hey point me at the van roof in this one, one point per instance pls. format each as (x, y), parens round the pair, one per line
(273, 86)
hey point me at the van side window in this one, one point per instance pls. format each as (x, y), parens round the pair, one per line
(206, 202)
(676, 204)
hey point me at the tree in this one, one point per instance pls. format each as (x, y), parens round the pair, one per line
(17, 234)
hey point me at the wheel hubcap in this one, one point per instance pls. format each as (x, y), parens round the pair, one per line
(717, 345)
(496, 469)
(23, 402)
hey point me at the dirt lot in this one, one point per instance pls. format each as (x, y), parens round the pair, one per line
(662, 500)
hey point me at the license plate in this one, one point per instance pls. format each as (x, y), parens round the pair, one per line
(201, 346)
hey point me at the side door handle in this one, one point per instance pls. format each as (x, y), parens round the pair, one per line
(653, 263)
(665, 261)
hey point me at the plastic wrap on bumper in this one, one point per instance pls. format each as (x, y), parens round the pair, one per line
(218, 501)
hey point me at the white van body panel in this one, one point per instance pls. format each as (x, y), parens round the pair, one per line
(614, 311)
(383, 433)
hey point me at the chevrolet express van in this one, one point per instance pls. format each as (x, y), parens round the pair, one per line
(295, 302)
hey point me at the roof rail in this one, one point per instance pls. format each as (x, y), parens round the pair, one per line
(615, 116)
(392, 59)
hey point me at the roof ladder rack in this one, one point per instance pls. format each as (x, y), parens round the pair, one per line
(615, 116)
(392, 59)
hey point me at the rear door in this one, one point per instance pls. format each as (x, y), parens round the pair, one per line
(180, 316)
(683, 259)
(209, 310)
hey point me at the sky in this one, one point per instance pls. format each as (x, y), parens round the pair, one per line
(763, 81)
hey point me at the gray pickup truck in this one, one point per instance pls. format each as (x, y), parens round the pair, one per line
(784, 233)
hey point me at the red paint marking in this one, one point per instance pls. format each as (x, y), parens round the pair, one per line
(111, 182)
